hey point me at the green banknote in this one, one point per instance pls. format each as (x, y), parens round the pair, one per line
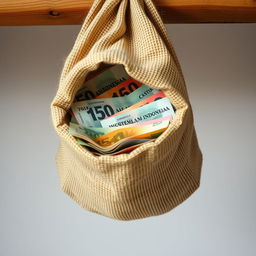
(102, 82)
(151, 111)
(89, 113)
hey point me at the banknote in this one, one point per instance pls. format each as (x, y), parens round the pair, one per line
(126, 146)
(142, 132)
(125, 149)
(102, 82)
(94, 132)
(89, 113)
(151, 111)
(122, 89)
(107, 150)
(169, 118)
(91, 132)
(154, 97)
(110, 140)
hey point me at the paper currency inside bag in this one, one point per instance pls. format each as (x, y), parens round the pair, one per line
(113, 113)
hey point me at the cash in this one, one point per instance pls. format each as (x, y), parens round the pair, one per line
(106, 137)
(122, 89)
(114, 114)
(121, 148)
(102, 83)
(153, 110)
(154, 97)
(90, 112)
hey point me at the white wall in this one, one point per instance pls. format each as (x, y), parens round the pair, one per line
(37, 218)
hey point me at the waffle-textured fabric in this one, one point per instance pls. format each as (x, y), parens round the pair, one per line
(157, 176)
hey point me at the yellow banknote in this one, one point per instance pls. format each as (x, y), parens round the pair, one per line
(133, 132)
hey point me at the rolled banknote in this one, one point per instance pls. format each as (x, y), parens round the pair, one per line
(122, 89)
(151, 111)
(102, 82)
(89, 113)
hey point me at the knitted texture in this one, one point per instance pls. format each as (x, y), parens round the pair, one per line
(157, 176)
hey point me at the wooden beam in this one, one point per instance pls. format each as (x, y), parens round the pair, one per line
(63, 12)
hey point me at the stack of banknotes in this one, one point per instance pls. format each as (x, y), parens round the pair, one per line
(113, 113)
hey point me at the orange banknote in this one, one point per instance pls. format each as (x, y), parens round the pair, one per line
(120, 90)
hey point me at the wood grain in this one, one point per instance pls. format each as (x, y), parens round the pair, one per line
(63, 12)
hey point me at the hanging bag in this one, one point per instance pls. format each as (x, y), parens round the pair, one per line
(157, 176)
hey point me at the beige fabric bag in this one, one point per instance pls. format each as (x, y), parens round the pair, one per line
(157, 176)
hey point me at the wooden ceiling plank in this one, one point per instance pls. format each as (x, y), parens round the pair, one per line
(70, 12)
